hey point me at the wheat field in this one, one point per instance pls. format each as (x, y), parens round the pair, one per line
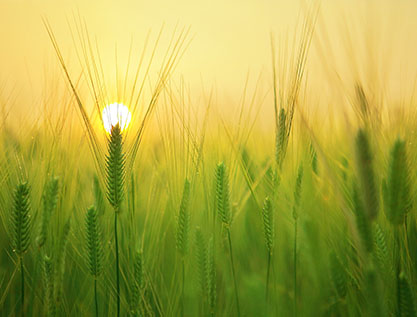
(128, 189)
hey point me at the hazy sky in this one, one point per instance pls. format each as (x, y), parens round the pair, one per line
(229, 38)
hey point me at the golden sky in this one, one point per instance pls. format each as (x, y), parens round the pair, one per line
(229, 38)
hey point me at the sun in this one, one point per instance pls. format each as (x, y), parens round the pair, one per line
(116, 113)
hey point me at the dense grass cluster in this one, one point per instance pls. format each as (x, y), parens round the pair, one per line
(203, 224)
(308, 244)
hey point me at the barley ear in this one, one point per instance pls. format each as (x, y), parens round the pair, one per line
(405, 297)
(49, 200)
(338, 275)
(115, 169)
(20, 219)
(268, 218)
(363, 224)
(201, 258)
(297, 191)
(397, 188)
(137, 284)
(281, 138)
(222, 194)
(183, 220)
(48, 281)
(60, 262)
(94, 245)
(366, 175)
(381, 251)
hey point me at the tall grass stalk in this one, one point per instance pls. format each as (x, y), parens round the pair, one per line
(137, 285)
(296, 206)
(396, 190)
(366, 174)
(182, 234)
(268, 218)
(94, 249)
(20, 234)
(201, 259)
(49, 199)
(225, 214)
(115, 174)
(211, 277)
(48, 277)
(60, 263)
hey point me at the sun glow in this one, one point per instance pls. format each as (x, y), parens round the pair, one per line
(116, 113)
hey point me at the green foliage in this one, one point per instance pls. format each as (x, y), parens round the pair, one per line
(396, 189)
(115, 169)
(20, 220)
(49, 199)
(366, 174)
(183, 220)
(268, 217)
(93, 242)
(222, 194)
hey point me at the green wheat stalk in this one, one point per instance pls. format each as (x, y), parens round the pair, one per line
(363, 223)
(98, 196)
(381, 254)
(94, 248)
(211, 277)
(338, 275)
(376, 306)
(366, 175)
(183, 220)
(397, 196)
(224, 212)
(137, 284)
(268, 219)
(182, 233)
(201, 258)
(48, 278)
(396, 189)
(60, 262)
(115, 174)
(49, 200)
(281, 138)
(405, 301)
(297, 201)
(20, 233)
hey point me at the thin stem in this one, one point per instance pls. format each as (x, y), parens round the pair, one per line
(233, 271)
(295, 267)
(95, 296)
(117, 265)
(182, 285)
(268, 271)
(22, 272)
